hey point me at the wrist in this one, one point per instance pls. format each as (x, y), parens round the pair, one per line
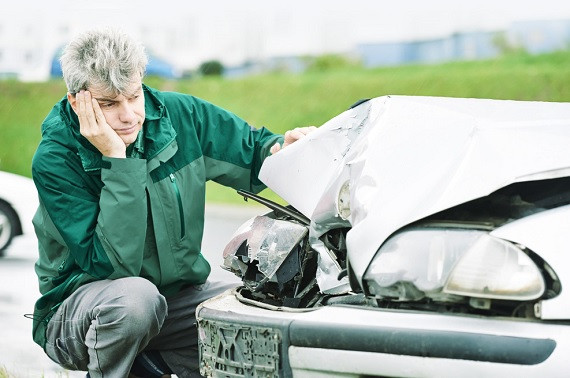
(119, 153)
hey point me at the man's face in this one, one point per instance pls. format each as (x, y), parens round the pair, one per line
(125, 112)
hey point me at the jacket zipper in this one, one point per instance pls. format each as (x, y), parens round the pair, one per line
(180, 208)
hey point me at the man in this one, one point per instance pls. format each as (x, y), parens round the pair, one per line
(120, 172)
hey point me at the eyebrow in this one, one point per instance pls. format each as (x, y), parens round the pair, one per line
(105, 99)
(136, 91)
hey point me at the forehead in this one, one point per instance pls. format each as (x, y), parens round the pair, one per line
(101, 91)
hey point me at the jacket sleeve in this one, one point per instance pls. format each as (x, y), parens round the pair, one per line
(103, 227)
(233, 150)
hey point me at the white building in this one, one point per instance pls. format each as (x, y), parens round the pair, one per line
(186, 33)
(183, 35)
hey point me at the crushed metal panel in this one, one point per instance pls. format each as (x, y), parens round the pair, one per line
(415, 156)
(314, 160)
(431, 154)
(318, 184)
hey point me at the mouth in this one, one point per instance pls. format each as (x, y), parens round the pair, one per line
(128, 130)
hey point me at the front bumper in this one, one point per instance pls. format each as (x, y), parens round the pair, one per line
(241, 340)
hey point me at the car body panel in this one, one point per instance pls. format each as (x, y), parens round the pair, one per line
(352, 341)
(546, 233)
(476, 146)
(20, 193)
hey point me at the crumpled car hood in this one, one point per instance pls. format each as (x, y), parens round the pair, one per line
(409, 157)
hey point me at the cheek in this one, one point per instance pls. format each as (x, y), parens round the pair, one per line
(113, 118)
(140, 111)
(141, 116)
(109, 115)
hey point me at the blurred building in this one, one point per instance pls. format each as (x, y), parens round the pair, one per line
(459, 46)
(30, 42)
(292, 64)
(531, 36)
(540, 36)
(181, 37)
(30, 46)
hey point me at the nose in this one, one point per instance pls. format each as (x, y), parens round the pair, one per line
(127, 113)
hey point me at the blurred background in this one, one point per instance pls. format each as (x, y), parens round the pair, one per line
(255, 36)
(289, 64)
(276, 64)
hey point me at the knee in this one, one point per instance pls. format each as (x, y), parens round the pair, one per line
(136, 307)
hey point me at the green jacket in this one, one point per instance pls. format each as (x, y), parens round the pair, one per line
(105, 218)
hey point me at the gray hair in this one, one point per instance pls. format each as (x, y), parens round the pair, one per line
(107, 58)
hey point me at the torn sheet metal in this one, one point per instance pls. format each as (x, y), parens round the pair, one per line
(326, 149)
(318, 158)
(409, 157)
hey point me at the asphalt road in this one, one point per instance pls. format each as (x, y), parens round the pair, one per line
(19, 355)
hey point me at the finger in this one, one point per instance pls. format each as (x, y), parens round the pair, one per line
(83, 122)
(87, 121)
(80, 104)
(293, 135)
(89, 112)
(306, 130)
(99, 116)
(275, 148)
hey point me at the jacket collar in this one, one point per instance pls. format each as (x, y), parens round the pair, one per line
(155, 142)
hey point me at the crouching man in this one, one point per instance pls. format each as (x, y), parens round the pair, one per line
(121, 171)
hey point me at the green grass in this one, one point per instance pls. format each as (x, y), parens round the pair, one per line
(284, 101)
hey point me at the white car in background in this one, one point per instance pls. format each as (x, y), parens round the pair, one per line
(18, 204)
(426, 237)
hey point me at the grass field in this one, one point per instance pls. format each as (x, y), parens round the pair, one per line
(284, 101)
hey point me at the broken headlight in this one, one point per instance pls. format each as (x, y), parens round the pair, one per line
(274, 261)
(265, 240)
(442, 263)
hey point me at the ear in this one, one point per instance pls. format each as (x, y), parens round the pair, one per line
(72, 99)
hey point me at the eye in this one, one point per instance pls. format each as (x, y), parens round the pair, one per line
(107, 105)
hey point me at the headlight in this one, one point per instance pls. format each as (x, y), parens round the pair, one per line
(265, 240)
(437, 262)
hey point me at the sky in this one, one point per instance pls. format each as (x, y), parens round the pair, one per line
(376, 19)
(224, 29)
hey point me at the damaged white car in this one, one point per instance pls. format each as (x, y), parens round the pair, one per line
(425, 237)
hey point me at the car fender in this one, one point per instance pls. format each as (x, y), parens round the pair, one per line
(21, 194)
(546, 233)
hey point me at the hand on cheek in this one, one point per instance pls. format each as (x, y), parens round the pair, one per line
(94, 127)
